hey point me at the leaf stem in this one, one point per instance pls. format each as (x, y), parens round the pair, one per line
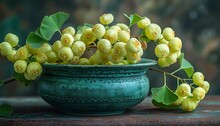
(164, 78)
(178, 82)
(60, 32)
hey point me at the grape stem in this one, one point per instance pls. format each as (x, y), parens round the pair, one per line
(176, 71)
(9, 80)
(170, 74)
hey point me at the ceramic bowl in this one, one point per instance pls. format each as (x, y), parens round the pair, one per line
(94, 89)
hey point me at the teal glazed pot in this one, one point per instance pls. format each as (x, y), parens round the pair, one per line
(94, 89)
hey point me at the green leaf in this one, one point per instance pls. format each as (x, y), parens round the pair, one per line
(5, 110)
(52, 24)
(186, 65)
(163, 106)
(37, 32)
(35, 40)
(134, 18)
(163, 95)
(20, 77)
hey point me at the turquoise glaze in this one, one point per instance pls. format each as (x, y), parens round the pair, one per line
(94, 89)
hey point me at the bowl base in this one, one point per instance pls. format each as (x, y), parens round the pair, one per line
(108, 113)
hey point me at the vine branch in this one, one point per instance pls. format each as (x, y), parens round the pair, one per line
(9, 80)
(170, 74)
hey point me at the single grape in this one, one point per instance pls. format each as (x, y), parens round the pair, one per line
(198, 93)
(171, 58)
(162, 62)
(183, 90)
(123, 27)
(78, 48)
(20, 66)
(52, 57)
(125, 62)
(92, 60)
(119, 64)
(22, 53)
(116, 28)
(104, 46)
(97, 59)
(153, 31)
(100, 58)
(98, 31)
(111, 35)
(74, 60)
(106, 19)
(132, 56)
(168, 33)
(123, 36)
(161, 50)
(34, 69)
(57, 45)
(83, 61)
(175, 44)
(41, 57)
(67, 40)
(144, 45)
(179, 101)
(133, 45)
(163, 41)
(205, 85)
(12, 57)
(65, 53)
(143, 23)
(29, 77)
(141, 52)
(114, 58)
(198, 78)
(69, 30)
(45, 48)
(189, 104)
(5, 49)
(12, 39)
(31, 50)
(130, 61)
(109, 63)
(119, 48)
(87, 36)
(178, 54)
(77, 37)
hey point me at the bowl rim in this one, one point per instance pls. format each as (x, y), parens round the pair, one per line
(144, 62)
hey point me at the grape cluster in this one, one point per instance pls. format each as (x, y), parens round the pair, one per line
(22, 64)
(168, 48)
(188, 99)
(113, 44)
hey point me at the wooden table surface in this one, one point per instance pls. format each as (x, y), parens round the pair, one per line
(33, 111)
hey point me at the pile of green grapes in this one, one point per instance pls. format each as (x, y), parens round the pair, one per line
(107, 45)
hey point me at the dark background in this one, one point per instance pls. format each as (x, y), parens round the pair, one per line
(195, 22)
